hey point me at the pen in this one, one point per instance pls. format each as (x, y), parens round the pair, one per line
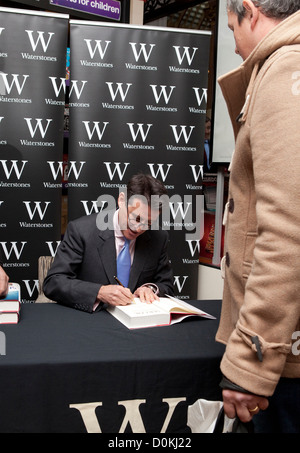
(119, 283)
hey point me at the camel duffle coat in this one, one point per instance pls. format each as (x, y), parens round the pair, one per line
(261, 303)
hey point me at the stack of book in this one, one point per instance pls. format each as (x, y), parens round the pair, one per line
(10, 305)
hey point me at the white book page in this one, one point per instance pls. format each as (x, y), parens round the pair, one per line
(191, 308)
(139, 308)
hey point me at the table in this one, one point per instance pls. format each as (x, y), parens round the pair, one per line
(69, 371)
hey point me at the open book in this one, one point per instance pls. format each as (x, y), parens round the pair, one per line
(168, 310)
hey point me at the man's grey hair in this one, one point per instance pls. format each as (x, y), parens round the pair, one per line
(277, 9)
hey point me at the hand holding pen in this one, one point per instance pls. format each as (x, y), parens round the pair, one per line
(144, 293)
(115, 295)
(119, 295)
(121, 284)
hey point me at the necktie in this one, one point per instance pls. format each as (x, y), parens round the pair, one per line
(124, 264)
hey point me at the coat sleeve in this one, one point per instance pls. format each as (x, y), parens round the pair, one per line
(62, 283)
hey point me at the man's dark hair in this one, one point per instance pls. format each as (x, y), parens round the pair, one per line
(148, 187)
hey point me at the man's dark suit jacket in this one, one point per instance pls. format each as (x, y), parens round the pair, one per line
(86, 259)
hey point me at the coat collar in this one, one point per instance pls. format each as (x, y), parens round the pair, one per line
(140, 258)
(236, 85)
(107, 253)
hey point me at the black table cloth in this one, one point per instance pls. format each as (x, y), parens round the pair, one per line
(69, 371)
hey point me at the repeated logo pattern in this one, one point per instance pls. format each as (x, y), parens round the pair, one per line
(32, 55)
(137, 100)
(140, 105)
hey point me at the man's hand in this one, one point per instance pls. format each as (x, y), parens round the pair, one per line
(3, 282)
(243, 405)
(115, 295)
(146, 294)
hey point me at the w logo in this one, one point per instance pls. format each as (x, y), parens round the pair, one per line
(118, 89)
(142, 51)
(139, 130)
(183, 132)
(162, 93)
(8, 83)
(179, 282)
(97, 47)
(116, 170)
(14, 249)
(16, 169)
(187, 53)
(90, 132)
(40, 39)
(37, 209)
(38, 126)
(60, 87)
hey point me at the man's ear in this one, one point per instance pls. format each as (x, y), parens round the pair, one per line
(121, 199)
(252, 12)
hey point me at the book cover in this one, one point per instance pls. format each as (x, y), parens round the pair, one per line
(9, 318)
(14, 293)
(10, 305)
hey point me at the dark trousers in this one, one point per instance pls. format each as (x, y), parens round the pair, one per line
(283, 413)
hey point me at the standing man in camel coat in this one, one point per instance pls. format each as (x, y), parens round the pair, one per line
(261, 303)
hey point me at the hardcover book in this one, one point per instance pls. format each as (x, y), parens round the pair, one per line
(168, 310)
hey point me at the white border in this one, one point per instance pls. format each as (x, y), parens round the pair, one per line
(141, 27)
